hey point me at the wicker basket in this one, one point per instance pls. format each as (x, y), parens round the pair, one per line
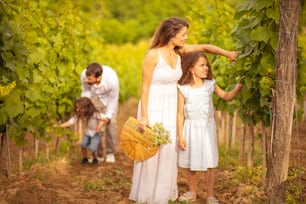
(136, 144)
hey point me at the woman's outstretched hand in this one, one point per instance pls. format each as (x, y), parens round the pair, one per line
(232, 55)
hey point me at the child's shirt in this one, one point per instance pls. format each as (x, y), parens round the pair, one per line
(91, 126)
(198, 100)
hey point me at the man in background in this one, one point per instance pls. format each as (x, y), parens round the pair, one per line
(101, 85)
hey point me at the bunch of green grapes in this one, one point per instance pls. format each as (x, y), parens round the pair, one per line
(6, 90)
(162, 136)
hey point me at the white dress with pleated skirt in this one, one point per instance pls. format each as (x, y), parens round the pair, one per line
(199, 129)
(155, 179)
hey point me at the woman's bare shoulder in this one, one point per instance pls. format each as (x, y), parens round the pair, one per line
(152, 54)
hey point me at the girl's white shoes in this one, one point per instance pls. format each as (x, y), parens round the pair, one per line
(212, 200)
(188, 197)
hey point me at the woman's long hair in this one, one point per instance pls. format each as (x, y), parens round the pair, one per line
(188, 62)
(167, 30)
(84, 109)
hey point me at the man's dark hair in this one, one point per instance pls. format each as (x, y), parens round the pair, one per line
(94, 69)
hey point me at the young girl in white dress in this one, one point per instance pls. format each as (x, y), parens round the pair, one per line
(196, 127)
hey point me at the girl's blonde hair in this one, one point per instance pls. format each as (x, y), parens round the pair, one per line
(188, 62)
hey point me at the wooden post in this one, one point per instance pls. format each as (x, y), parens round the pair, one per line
(264, 154)
(233, 139)
(218, 124)
(242, 143)
(304, 108)
(36, 147)
(222, 141)
(228, 132)
(251, 145)
(8, 162)
(20, 159)
(48, 151)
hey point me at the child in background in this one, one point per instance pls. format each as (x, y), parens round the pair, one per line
(93, 126)
(196, 127)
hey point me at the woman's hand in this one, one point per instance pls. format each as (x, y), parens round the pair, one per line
(143, 123)
(232, 55)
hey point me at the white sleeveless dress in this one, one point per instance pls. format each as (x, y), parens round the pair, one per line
(199, 130)
(155, 179)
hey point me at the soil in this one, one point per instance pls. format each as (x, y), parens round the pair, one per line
(65, 180)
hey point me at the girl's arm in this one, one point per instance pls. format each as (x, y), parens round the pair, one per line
(149, 62)
(228, 95)
(231, 55)
(180, 121)
(66, 124)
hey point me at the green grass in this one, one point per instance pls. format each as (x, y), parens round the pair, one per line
(29, 162)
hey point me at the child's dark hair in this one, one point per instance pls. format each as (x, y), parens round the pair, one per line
(188, 61)
(94, 69)
(84, 109)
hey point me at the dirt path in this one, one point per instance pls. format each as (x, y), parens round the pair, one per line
(67, 181)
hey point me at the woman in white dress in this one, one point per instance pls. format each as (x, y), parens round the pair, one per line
(196, 128)
(155, 179)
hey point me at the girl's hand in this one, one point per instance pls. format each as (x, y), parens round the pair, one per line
(181, 144)
(239, 86)
(241, 79)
